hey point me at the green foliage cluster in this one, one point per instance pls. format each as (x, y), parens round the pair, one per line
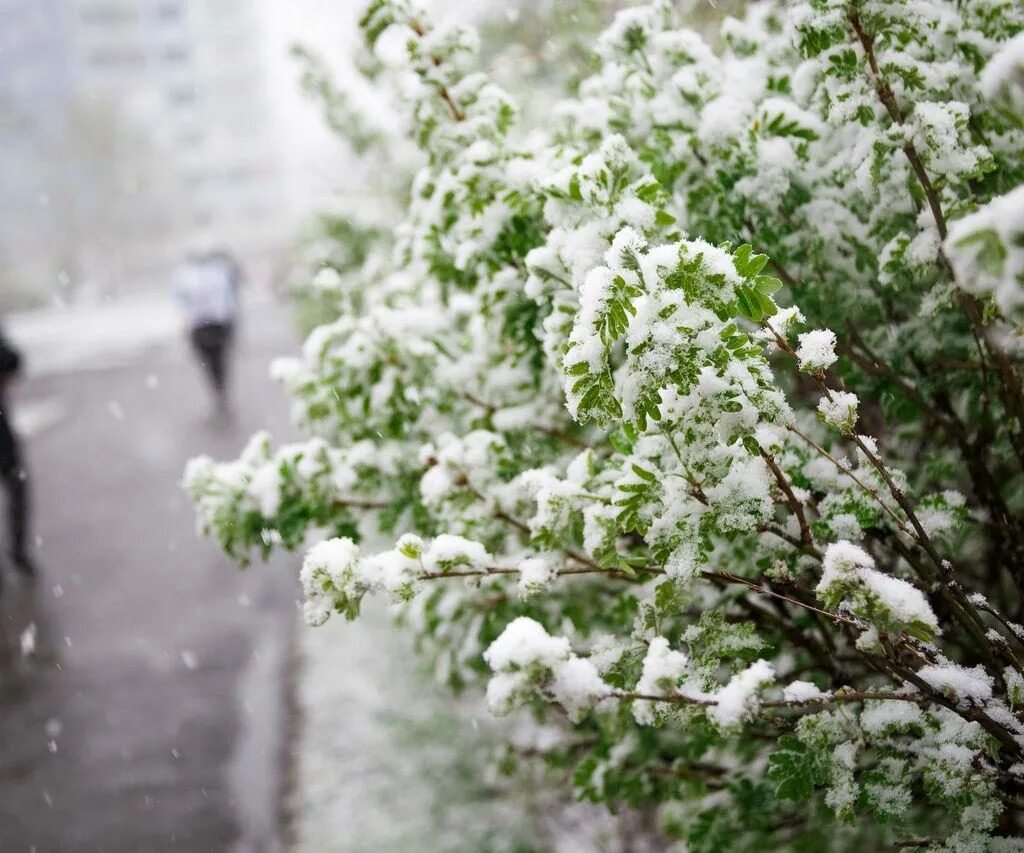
(762, 575)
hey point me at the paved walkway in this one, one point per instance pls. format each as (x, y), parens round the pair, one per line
(150, 715)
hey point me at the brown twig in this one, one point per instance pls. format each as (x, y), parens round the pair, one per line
(806, 537)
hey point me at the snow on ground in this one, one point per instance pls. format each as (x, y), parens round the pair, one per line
(385, 760)
(56, 340)
(32, 417)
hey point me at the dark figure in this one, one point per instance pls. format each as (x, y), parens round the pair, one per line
(207, 286)
(211, 342)
(12, 469)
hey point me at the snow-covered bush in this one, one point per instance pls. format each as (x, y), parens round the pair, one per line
(697, 415)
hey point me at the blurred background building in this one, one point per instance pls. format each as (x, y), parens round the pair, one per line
(130, 130)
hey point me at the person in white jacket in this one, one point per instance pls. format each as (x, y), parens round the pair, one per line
(206, 285)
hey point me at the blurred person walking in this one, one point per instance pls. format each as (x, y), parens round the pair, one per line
(206, 286)
(12, 469)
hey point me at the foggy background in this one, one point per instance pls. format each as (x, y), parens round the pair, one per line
(130, 129)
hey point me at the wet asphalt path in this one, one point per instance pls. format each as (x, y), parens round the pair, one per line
(151, 715)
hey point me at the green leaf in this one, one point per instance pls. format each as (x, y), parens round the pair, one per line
(625, 568)
(590, 398)
(635, 38)
(779, 125)
(746, 262)
(667, 600)
(574, 189)
(644, 475)
(766, 304)
(621, 442)
(648, 192)
(792, 768)
(748, 303)
(767, 284)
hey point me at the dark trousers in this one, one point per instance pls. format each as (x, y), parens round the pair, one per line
(15, 483)
(211, 342)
